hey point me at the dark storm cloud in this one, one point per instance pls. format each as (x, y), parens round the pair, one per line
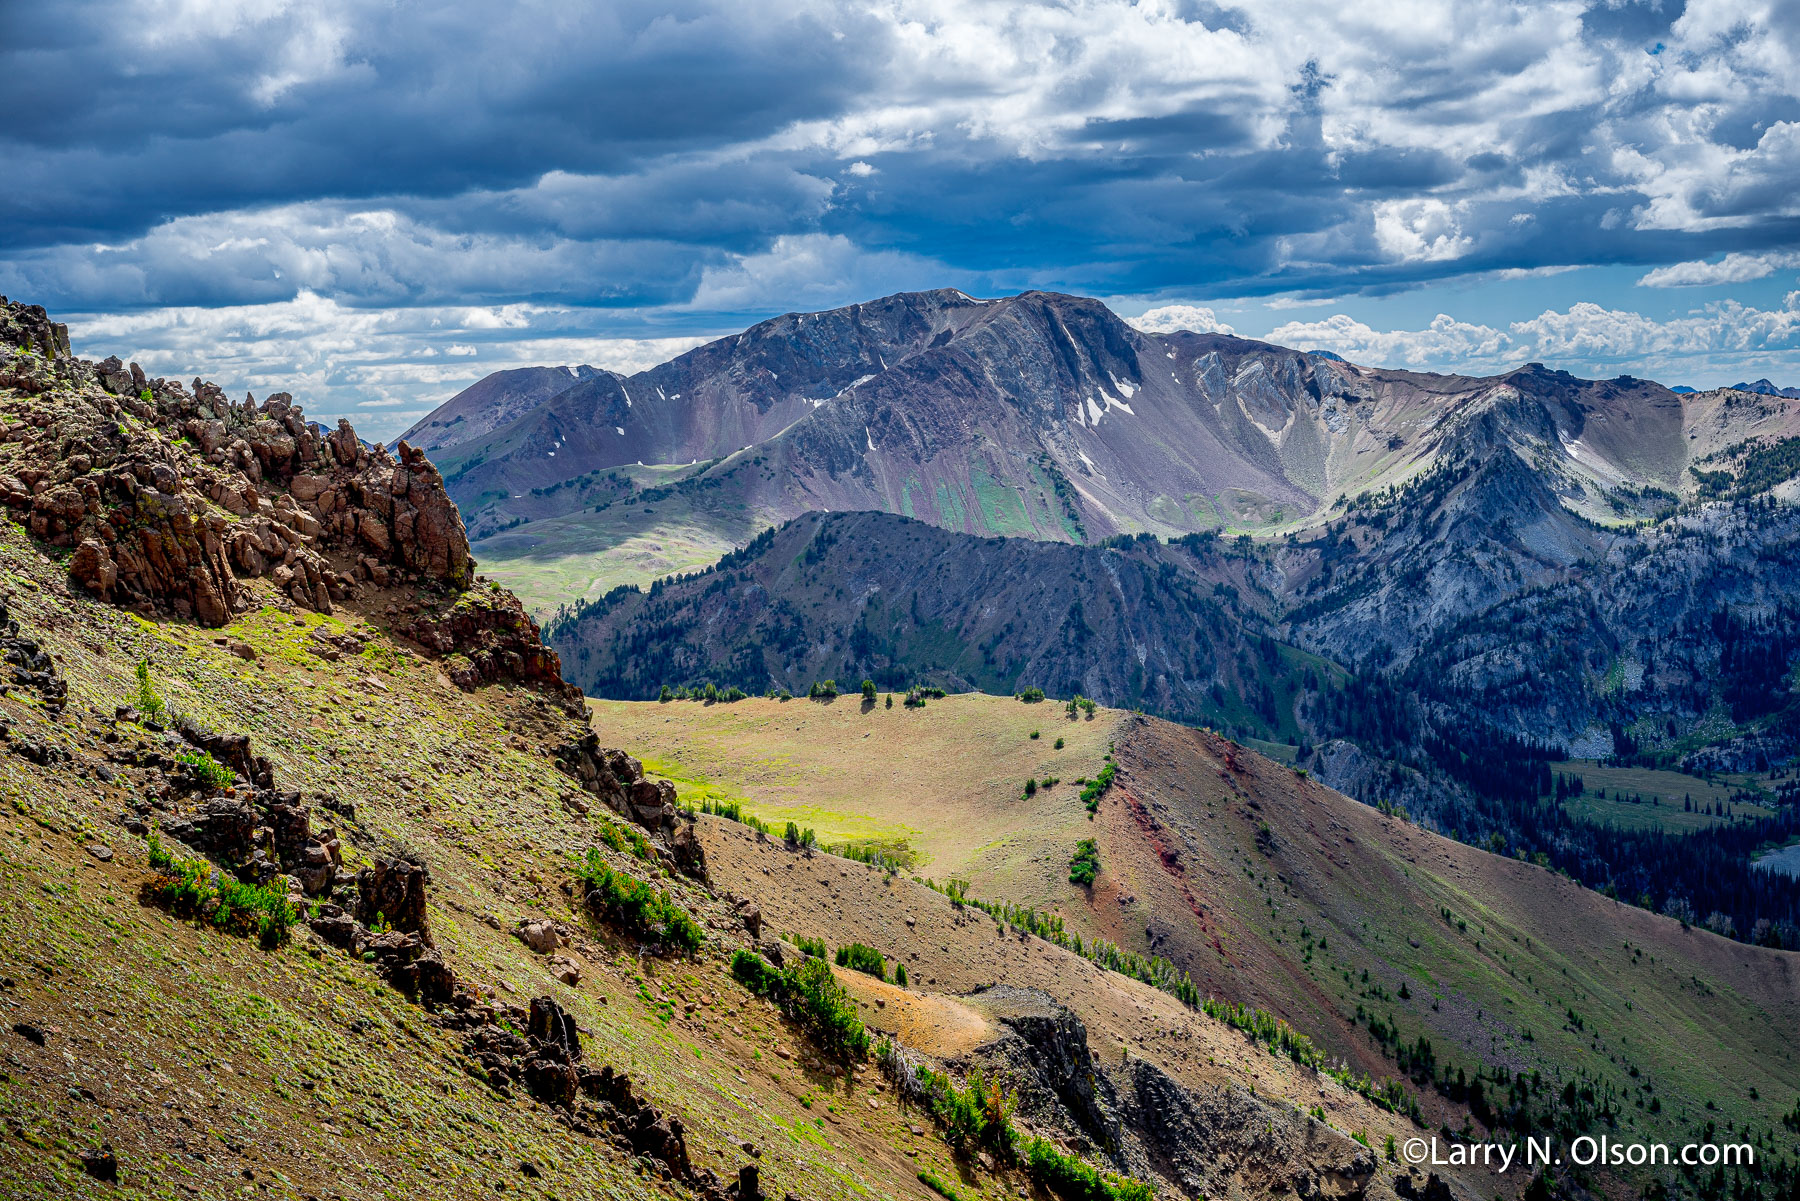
(666, 164)
(121, 115)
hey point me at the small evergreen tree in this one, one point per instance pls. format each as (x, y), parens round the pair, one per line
(148, 701)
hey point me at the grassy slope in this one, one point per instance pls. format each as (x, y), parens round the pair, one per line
(1669, 788)
(1696, 1014)
(948, 779)
(1183, 875)
(582, 540)
(207, 1058)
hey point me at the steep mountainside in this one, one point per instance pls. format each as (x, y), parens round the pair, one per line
(491, 402)
(705, 404)
(1180, 627)
(1406, 953)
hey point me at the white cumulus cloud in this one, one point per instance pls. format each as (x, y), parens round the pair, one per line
(1168, 318)
(1735, 268)
(1446, 341)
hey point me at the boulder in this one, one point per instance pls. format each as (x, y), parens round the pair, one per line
(550, 1024)
(393, 891)
(92, 567)
(537, 933)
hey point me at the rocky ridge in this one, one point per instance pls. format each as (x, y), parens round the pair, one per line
(172, 497)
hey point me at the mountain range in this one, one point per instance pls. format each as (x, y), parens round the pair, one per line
(1395, 516)
(1041, 415)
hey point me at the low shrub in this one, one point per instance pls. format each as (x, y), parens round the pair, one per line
(757, 974)
(809, 994)
(200, 767)
(194, 888)
(814, 947)
(641, 909)
(1031, 696)
(1084, 865)
(1076, 1180)
(939, 1187)
(626, 840)
(1094, 789)
(863, 958)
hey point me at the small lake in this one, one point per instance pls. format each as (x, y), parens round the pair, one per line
(1786, 861)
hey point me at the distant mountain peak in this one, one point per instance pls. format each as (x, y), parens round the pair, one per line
(1764, 387)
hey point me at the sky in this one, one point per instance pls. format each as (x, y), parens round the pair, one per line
(373, 204)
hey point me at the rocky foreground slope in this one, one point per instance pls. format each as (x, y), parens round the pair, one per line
(312, 884)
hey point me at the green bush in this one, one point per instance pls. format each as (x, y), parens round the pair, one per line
(809, 994)
(757, 974)
(1030, 787)
(825, 1008)
(939, 1187)
(868, 690)
(863, 958)
(823, 690)
(1075, 1180)
(1085, 864)
(814, 947)
(636, 907)
(196, 889)
(626, 840)
(203, 769)
(1059, 744)
(1031, 695)
(1096, 788)
(900, 974)
(975, 1118)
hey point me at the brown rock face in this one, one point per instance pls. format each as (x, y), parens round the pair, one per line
(618, 779)
(174, 497)
(393, 891)
(494, 639)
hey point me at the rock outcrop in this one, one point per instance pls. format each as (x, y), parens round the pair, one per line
(619, 780)
(486, 636)
(170, 498)
(1213, 1142)
(546, 1061)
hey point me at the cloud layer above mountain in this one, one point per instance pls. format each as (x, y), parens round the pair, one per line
(649, 170)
